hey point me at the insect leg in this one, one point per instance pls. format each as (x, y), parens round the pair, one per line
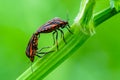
(53, 38)
(56, 39)
(68, 25)
(69, 29)
(62, 34)
(43, 48)
(38, 56)
(46, 52)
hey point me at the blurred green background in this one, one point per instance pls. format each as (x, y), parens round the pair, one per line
(98, 58)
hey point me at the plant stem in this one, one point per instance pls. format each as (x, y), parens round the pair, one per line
(104, 15)
(42, 67)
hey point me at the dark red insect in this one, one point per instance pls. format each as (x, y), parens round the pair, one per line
(32, 47)
(31, 50)
(54, 25)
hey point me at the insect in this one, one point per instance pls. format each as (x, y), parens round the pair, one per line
(54, 25)
(32, 48)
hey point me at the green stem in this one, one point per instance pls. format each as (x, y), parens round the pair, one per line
(104, 15)
(42, 67)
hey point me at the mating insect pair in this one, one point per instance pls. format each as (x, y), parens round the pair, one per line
(54, 25)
